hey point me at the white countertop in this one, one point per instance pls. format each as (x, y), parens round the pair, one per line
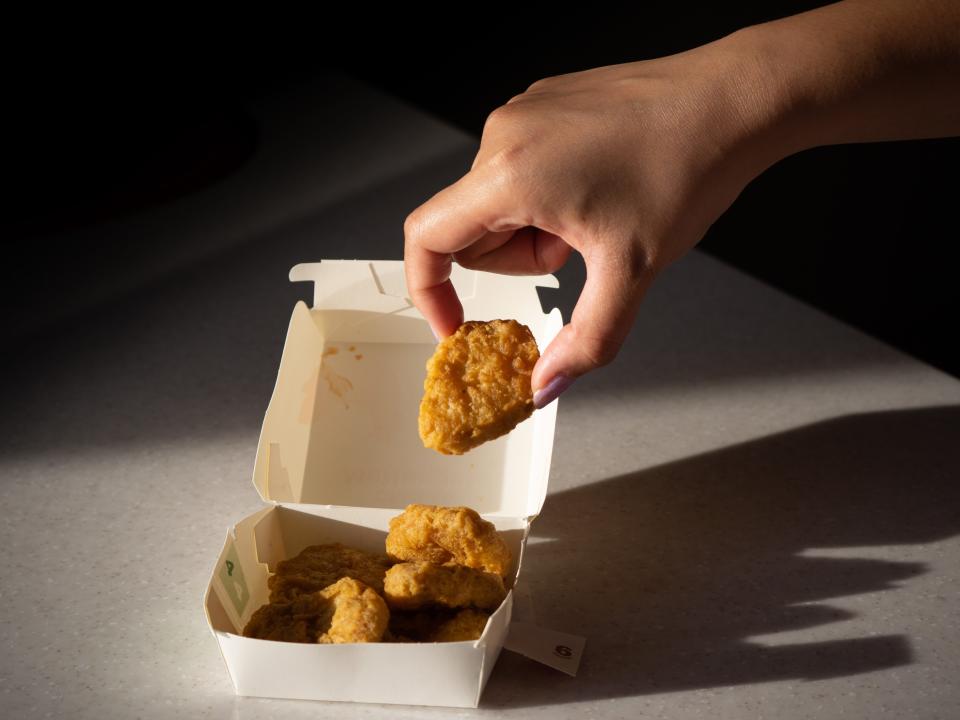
(755, 512)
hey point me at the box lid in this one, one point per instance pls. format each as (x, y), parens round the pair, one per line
(341, 427)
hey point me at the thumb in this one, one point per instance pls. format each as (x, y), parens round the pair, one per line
(601, 321)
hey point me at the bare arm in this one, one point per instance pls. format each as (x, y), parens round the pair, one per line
(865, 70)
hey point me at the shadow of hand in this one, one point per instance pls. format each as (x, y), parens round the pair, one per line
(671, 572)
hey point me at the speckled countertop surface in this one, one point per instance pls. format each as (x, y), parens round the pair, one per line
(755, 512)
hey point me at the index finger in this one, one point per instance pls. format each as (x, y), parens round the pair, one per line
(453, 219)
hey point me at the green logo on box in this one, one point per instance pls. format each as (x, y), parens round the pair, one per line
(231, 575)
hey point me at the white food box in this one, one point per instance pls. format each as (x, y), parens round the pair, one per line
(339, 455)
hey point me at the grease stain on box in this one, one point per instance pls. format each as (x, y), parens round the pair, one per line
(337, 384)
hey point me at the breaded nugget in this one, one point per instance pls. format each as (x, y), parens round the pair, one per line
(478, 385)
(318, 566)
(289, 622)
(415, 625)
(389, 636)
(467, 624)
(346, 612)
(436, 625)
(359, 613)
(441, 535)
(413, 585)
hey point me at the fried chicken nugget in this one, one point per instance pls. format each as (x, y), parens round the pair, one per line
(288, 622)
(319, 566)
(441, 535)
(345, 612)
(414, 625)
(359, 613)
(467, 624)
(437, 625)
(413, 585)
(478, 385)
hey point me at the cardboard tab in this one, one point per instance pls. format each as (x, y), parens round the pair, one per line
(561, 651)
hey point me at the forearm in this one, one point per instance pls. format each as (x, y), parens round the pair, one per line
(857, 71)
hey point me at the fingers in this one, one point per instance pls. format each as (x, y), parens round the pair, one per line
(601, 320)
(527, 251)
(441, 307)
(453, 219)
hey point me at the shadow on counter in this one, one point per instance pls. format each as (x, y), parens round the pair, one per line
(672, 572)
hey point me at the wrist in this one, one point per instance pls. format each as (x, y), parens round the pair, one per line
(754, 73)
(854, 72)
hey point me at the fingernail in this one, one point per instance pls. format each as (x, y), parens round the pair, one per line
(551, 391)
(435, 336)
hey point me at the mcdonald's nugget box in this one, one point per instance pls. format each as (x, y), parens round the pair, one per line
(339, 455)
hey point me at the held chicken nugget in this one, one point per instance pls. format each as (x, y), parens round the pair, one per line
(440, 535)
(319, 566)
(346, 612)
(478, 385)
(409, 586)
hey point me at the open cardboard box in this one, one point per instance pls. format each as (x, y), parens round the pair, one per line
(339, 455)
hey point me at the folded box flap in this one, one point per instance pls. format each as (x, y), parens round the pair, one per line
(380, 286)
(341, 428)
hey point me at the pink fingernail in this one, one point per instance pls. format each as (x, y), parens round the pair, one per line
(551, 391)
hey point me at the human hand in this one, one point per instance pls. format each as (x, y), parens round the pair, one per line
(629, 165)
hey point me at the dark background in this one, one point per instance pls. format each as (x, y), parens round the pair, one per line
(125, 117)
